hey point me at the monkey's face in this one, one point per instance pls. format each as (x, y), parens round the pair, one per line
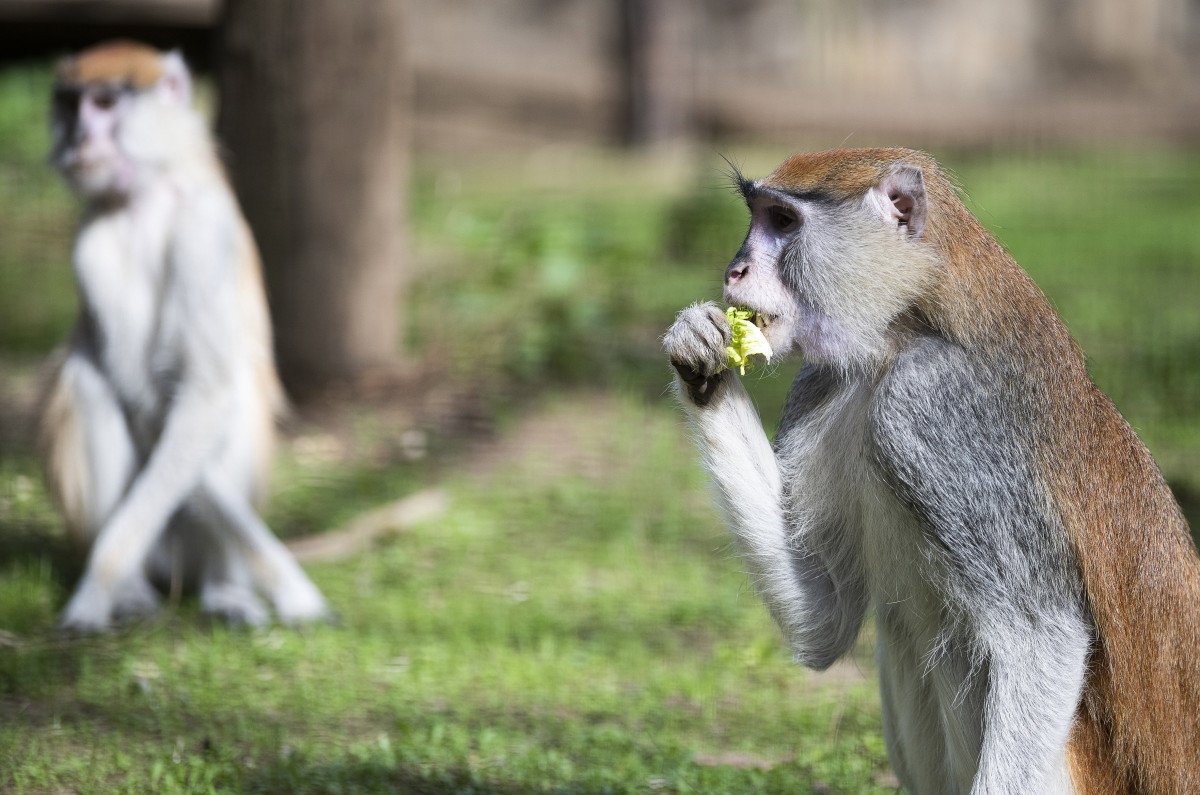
(115, 132)
(831, 274)
(85, 127)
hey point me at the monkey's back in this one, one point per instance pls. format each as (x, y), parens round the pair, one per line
(1138, 726)
(271, 402)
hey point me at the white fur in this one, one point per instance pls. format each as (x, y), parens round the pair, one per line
(162, 407)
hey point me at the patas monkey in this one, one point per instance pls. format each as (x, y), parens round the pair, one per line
(944, 458)
(159, 423)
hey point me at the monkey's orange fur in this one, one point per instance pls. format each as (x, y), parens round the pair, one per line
(119, 62)
(1137, 729)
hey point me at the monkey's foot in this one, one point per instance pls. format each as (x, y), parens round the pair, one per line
(96, 607)
(135, 598)
(89, 611)
(233, 604)
(301, 603)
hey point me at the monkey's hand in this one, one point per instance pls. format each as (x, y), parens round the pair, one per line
(696, 344)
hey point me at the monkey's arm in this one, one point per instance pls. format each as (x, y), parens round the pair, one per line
(952, 444)
(199, 311)
(820, 620)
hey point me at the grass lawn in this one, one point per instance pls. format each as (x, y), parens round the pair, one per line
(576, 621)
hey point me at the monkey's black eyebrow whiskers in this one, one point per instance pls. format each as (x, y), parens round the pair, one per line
(749, 190)
(744, 187)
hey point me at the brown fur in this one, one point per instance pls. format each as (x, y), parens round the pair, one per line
(844, 173)
(59, 440)
(1137, 729)
(114, 62)
(253, 298)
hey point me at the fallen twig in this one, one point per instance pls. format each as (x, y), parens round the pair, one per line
(359, 532)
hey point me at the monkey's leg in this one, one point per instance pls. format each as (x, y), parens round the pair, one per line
(1035, 677)
(170, 474)
(197, 550)
(92, 460)
(952, 451)
(272, 568)
(227, 586)
(90, 454)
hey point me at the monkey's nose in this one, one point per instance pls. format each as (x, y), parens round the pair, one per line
(735, 271)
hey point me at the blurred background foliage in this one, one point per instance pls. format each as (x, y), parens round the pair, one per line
(576, 621)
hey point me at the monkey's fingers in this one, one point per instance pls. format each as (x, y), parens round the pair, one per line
(698, 337)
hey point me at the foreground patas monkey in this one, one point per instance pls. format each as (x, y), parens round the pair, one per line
(945, 459)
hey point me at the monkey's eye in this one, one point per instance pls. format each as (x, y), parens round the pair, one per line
(783, 220)
(105, 100)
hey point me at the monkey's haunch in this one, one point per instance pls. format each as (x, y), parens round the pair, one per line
(748, 340)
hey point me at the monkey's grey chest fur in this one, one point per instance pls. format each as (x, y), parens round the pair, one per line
(840, 509)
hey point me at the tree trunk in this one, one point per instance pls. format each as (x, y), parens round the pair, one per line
(654, 66)
(314, 106)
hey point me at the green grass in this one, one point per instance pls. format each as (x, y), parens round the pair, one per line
(36, 288)
(574, 624)
(577, 621)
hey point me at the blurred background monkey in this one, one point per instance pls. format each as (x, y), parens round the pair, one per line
(159, 425)
(944, 457)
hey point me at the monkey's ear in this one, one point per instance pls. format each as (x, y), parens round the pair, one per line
(900, 199)
(176, 81)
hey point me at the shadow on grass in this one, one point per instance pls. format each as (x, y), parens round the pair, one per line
(29, 544)
(370, 776)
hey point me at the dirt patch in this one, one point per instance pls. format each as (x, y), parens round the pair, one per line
(574, 435)
(742, 760)
(20, 385)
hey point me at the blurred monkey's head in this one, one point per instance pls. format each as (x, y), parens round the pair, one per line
(122, 112)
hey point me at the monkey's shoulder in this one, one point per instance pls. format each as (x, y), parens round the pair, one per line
(211, 243)
(939, 405)
(950, 439)
(951, 443)
(941, 385)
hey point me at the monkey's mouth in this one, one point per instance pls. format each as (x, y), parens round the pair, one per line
(775, 328)
(762, 320)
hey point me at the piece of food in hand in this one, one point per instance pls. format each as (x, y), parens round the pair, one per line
(748, 340)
